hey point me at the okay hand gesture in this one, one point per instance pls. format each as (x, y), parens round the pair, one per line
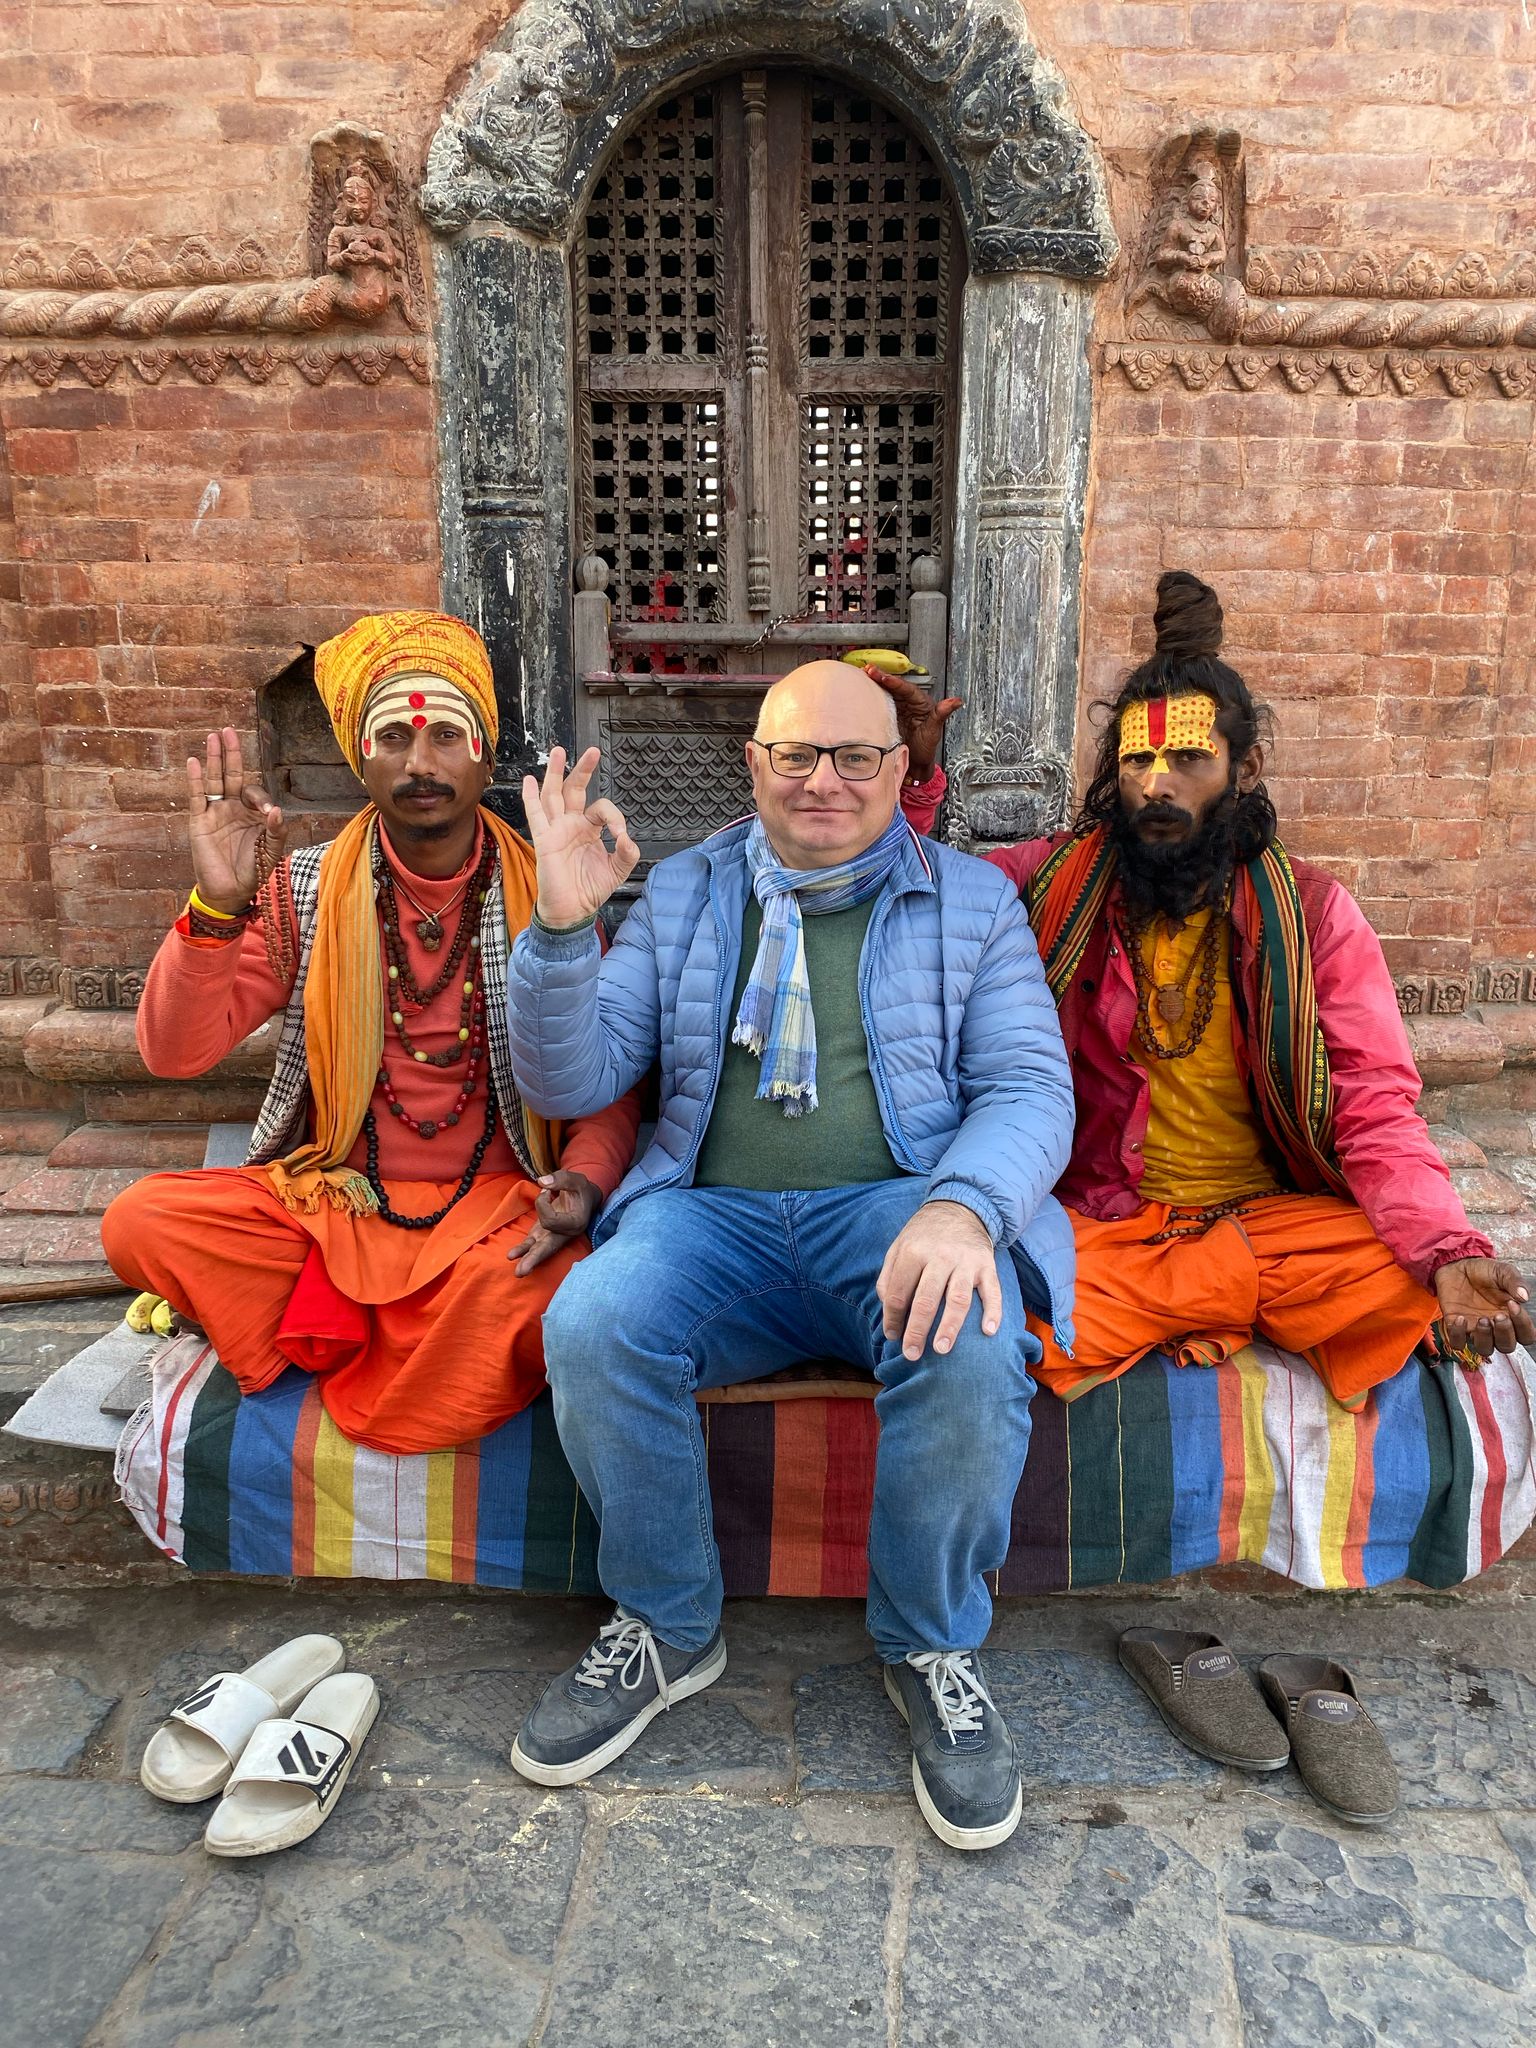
(228, 813)
(577, 872)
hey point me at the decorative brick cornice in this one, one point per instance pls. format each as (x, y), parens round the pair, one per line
(88, 988)
(1495, 983)
(1198, 308)
(153, 308)
(1359, 374)
(28, 976)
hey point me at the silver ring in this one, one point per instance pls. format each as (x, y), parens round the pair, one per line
(211, 798)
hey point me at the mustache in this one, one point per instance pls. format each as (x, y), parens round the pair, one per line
(1164, 814)
(420, 785)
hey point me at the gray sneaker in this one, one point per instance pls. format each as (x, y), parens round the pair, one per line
(964, 1771)
(593, 1712)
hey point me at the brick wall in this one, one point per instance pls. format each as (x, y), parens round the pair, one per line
(1375, 554)
(176, 543)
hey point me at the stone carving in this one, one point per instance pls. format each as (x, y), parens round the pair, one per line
(1500, 984)
(1448, 994)
(1375, 323)
(28, 977)
(525, 138)
(1312, 273)
(1412, 994)
(1005, 789)
(364, 271)
(60, 1500)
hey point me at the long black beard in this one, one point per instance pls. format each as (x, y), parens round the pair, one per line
(1174, 880)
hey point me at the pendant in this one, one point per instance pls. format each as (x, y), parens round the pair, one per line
(1170, 1004)
(430, 933)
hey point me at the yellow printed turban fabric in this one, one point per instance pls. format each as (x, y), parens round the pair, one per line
(395, 643)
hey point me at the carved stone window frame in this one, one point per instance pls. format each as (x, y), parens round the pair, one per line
(507, 177)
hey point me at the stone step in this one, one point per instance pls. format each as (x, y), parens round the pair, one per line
(79, 1191)
(149, 1148)
(37, 1337)
(53, 1241)
(1455, 1148)
(31, 1131)
(1510, 1132)
(1487, 1192)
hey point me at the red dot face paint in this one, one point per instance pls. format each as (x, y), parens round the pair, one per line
(418, 721)
(416, 700)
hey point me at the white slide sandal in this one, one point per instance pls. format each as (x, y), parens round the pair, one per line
(293, 1770)
(190, 1757)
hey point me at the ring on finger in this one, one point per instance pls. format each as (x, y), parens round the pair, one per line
(214, 796)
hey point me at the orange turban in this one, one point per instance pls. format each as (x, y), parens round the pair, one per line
(392, 644)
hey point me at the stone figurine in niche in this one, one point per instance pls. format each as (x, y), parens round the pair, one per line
(362, 254)
(1185, 285)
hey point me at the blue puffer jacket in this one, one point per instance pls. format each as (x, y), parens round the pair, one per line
(965, 1051)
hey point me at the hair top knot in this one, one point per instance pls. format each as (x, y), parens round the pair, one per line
(1188, 619)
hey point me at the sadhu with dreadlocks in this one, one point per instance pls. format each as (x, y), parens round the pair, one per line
(1248, 1158)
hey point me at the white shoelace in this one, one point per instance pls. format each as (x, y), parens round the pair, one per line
(624, 1644)
(958, 1690)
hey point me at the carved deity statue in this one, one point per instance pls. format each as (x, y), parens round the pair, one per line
(358, 238)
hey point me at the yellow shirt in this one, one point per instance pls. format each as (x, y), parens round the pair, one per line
(1204, 1144)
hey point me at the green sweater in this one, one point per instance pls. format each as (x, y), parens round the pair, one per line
(752, 1144)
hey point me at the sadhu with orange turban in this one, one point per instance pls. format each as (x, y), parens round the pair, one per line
(402, 1219)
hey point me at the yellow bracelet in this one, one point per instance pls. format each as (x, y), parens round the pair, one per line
(207, 909)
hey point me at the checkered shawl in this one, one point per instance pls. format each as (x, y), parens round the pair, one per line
(280, 1125)
(775, 1019)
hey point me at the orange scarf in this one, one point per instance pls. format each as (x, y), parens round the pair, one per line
(344, 1017)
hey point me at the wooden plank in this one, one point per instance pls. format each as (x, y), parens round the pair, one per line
(792, 633)
(759, 467)
(621, 377)
(782, 487)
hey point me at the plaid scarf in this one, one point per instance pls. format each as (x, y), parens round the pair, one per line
(775, 1020)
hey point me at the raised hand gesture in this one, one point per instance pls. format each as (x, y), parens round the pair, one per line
(577, 872)
(920, 720)
(229, 812)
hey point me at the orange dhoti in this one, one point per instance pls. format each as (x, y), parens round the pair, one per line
(420, 1339)
(1307, 1272)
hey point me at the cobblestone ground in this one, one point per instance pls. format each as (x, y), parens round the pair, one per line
(756, 1872)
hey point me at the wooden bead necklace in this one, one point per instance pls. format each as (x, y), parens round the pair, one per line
(466, 937)
(1202, 967)
(428, 1127)
(375, 1180)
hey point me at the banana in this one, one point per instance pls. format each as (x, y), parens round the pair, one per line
(889, 658)
(148, 1314)
(138, 1312)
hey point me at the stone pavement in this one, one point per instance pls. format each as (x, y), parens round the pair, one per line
(756, 1872)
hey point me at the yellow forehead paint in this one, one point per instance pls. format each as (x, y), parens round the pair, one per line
(1158, 723)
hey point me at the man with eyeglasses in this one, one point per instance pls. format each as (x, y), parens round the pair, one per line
(864, 1105)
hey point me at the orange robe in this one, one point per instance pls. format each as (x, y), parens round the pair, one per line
(1305, 1271)
(420, 1339)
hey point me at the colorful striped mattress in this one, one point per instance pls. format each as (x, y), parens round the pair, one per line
(1161, 1472)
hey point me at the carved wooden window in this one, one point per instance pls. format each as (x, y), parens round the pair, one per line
(766, 290)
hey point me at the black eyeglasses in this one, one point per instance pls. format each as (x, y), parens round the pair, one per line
(798, 759)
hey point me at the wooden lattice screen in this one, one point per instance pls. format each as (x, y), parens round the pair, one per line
(766, 291)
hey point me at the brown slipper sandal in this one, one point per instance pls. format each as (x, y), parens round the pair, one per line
(1205, 1696)
(1340, 1752)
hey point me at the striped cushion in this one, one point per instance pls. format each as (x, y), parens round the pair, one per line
(1161, 1472)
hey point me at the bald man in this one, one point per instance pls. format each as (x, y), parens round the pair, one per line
(864, 1105)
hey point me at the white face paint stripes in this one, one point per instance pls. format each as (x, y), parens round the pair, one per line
(419, 701)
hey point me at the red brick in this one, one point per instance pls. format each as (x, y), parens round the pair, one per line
(145, 1147)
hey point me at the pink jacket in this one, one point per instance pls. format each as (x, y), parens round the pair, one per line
(1385, 1154)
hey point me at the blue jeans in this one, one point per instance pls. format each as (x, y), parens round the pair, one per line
(704, 1287)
